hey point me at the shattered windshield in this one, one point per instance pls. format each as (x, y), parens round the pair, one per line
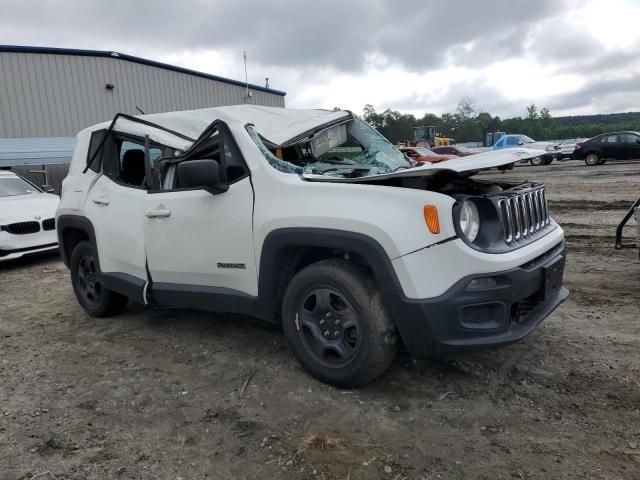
(351, 149)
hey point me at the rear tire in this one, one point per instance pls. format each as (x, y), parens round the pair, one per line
(95, 298)
(592, 159)
(334, 320)
(537, 161)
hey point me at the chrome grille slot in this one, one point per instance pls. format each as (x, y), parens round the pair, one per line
(505, 214)
(515, 213)
(524, 213)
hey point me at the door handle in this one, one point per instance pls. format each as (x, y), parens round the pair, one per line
(101, 201)
(159, 213)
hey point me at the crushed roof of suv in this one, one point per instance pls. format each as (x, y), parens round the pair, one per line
(275, 124)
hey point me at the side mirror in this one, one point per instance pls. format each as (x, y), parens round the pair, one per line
(204, 174)
(48, 188)
(520, 142)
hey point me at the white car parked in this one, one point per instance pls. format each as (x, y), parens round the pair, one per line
(568, 146)
(312, 220)
(27, 217)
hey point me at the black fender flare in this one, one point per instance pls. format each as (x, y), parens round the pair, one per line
(123, 283)
(76, 222)
(404, 313)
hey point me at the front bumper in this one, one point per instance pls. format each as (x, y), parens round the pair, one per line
(497, 309)
(16, 246)
(6, 255)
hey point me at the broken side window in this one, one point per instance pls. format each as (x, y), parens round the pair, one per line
(278, 163)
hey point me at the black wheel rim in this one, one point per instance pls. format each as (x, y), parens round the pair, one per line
(88, 285)
(328, 327)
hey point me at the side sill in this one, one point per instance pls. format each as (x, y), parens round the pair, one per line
(124, 284)
(211, 299)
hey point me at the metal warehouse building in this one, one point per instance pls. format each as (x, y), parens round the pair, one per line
(55, 92)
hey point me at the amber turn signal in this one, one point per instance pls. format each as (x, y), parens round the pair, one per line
(431, 218)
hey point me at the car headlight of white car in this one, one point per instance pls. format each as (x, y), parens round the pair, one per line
(469, 220)
(550, 148)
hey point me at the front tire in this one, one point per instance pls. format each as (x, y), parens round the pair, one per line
(93, 296)
(592, 159)
(334, 320)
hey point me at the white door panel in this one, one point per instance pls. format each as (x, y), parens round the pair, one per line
(196, 238)
(116, 213)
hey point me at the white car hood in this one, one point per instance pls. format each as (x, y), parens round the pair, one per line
(26, 208)
(471, 163)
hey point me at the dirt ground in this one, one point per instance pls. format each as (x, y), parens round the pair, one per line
(187, 395)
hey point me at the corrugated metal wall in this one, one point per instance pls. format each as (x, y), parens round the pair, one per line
(36, 151)
(56, 95)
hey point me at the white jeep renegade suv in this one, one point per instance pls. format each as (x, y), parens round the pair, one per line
(310, 219)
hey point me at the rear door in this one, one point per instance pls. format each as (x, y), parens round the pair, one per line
(115, 205)
(197, 241)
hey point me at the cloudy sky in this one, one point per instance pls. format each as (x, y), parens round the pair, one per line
(573, 56)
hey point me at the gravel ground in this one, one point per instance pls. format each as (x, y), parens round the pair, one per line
(186, 395)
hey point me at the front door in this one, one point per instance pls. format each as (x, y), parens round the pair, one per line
(610, 146)
(629, 146)
(197, 239)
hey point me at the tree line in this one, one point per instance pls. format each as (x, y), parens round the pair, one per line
(469, 124)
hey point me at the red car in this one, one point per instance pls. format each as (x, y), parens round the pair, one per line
(456, 150)
(424, 155)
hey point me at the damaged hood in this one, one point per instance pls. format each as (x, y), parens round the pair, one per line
(472, 164)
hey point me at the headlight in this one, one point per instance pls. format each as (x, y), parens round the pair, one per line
(549, 148)
(469, 220)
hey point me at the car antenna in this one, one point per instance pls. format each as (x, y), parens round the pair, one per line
(140, 110)
(246, 78)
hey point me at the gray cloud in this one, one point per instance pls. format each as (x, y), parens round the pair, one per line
(485, 97)
(415, 33)
(623, 92)
(296, 43)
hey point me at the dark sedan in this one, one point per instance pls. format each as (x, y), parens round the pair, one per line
(608, 146)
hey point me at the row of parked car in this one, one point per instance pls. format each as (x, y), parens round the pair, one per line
(594, 151)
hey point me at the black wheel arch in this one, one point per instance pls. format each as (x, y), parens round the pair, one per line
(72, 229)
(277, 267)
